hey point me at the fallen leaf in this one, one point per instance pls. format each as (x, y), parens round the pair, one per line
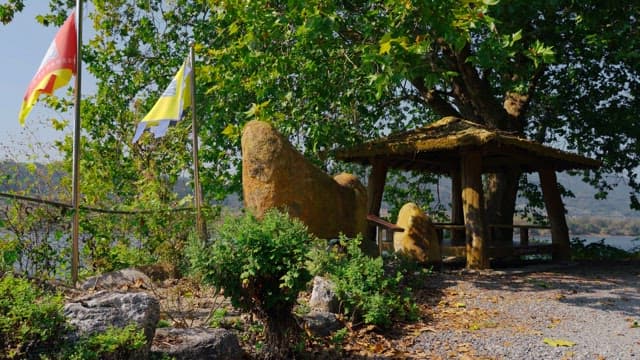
(568, 355)
(554, 323)
(377, 348)
(419, 331)
(460, 305)
(558, 342)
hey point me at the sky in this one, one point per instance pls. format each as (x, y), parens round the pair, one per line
(25, 43)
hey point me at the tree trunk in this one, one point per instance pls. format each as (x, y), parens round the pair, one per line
(281, 333)
(501, 193)
(457, 216)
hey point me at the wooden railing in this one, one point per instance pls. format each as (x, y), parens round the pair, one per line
(384, 232)
(524, 230)
(523, 249)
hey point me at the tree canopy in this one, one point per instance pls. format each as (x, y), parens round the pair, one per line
(329, 73)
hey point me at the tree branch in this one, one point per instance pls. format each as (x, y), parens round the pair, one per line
(478, 91)
(434, 100)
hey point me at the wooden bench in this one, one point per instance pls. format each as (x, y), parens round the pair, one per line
(384, 232)
(523, 249)
(524, 230)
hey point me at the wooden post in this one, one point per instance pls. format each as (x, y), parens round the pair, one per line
(201, 225)
(75, 170)
(473, 209)
(375, 188)
(556, 213)
(524, 237)
(457, 216)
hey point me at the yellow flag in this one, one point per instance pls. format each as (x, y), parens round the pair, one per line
(56, 69)
(170, 107)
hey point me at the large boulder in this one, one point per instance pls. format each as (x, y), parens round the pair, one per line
(419, 240)
(196, 343)
(276, 175)
(95, 313)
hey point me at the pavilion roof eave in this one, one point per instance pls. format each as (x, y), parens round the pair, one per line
(432, 148)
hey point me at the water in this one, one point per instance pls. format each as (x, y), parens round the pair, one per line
(620, 241)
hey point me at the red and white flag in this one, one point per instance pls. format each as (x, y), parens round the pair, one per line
(57, 67)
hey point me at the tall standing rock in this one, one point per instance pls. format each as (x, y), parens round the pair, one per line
(276, 175)
(419, 240)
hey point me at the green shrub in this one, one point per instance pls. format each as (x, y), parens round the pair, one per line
(260, 264)
(363, 286)
(31, 321)
(32, 326)
(596, 251)
(113, 344)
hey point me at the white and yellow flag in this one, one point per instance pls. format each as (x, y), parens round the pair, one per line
(171, 105)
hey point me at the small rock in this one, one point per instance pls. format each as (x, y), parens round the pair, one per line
(323, 296)
(321, 323)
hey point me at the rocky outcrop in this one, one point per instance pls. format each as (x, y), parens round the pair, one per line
(276, 175)
(95, 313)
(196, 343)
(419, 240)
(118, 280)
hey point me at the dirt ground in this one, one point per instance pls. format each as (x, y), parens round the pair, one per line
(529, 312)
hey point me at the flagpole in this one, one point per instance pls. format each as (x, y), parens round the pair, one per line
(201, 226)
(75, 253)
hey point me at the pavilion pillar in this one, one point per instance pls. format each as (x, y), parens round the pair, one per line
(473, 209)
(556, 213)
(457, 215)
(375, 186)
(375, 189)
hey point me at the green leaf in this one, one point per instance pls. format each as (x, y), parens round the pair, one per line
(385, 44)
(231, 131)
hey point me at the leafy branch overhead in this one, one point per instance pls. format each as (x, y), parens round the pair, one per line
(335, 73)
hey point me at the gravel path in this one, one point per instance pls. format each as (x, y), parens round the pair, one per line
(578, 311)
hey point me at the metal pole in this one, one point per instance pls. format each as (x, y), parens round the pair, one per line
(201, 226)
(75, 253)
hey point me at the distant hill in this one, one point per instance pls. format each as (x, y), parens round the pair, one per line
(584, 204)
(616, 205)
(16, 176)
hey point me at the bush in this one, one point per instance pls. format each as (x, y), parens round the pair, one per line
(260, 264)
(31, 321)
(363, 286)
(32, 326)
(596, 251)
(113, 344)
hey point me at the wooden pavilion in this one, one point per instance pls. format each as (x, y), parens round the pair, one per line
(464, 150)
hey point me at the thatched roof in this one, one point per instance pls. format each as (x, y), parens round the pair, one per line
(437, 148)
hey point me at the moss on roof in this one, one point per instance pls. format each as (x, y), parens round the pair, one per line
(437, 148)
